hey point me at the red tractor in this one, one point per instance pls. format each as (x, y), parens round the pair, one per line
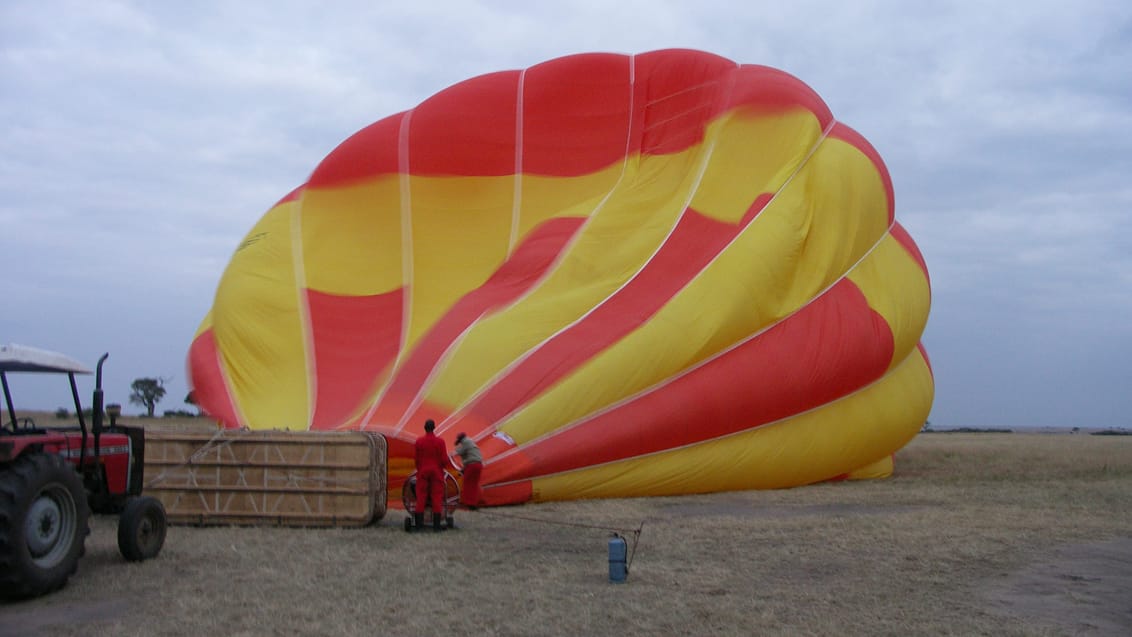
(52, 478)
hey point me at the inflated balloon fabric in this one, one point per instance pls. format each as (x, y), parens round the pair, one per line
(622, 275)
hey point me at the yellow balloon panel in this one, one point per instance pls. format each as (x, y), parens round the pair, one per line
(816, 446)
(259, 329)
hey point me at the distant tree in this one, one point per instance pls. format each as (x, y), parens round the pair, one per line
(147, 392)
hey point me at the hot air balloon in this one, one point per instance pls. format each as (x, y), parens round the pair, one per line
(622, 275)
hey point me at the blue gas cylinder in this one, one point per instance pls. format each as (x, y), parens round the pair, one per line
(618, 569)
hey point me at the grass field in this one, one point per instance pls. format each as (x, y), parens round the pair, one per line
(975, 534)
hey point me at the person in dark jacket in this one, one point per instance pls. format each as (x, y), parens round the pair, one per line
(431, 458)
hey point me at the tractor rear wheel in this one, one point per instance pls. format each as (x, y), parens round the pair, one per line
(141, 528)
(43, 524)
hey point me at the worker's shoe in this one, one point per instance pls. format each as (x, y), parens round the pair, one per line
(436, 522)
(418, 521)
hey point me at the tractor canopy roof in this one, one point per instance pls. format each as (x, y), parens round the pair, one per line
(21, 358)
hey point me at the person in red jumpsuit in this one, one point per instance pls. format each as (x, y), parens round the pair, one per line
(431, 458)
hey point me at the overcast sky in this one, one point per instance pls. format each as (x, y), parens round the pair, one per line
(140, 141)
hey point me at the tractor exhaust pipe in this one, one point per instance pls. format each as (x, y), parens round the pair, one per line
(97, 407)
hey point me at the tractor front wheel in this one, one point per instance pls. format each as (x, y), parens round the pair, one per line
(141, 528)
(43, 524)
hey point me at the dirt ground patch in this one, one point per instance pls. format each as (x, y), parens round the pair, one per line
(29, 622)
(1084, 588)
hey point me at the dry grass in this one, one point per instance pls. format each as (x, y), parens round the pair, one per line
(937, 549)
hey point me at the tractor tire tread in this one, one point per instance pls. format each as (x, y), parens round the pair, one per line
(20, 577)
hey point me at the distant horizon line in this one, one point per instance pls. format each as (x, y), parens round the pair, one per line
(930, 428)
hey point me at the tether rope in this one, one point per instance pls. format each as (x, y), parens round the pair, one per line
(207, 446)
(616, 531)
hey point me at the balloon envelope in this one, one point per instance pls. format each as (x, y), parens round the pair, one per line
(622, 275)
